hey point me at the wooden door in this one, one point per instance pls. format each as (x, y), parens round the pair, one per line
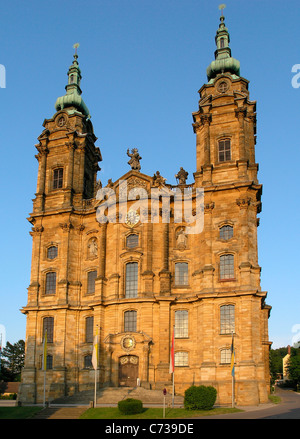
(128, 371)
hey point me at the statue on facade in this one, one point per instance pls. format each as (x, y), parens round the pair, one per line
(135, 158)
(181, 176)
(158, 180)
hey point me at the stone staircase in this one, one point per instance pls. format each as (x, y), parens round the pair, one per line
(110, 396)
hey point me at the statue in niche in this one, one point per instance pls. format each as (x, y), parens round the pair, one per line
(181, 176)
(181, 239)
(135, 158)
(93, 248)
(158, 180)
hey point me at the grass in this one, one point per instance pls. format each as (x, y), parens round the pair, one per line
(152, 413)
(18, 412)
(274, 399)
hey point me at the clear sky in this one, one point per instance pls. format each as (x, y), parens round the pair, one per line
(143, 63)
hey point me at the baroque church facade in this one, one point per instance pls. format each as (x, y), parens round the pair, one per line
(136, 278)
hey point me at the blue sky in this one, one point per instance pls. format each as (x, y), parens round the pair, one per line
(143, 63)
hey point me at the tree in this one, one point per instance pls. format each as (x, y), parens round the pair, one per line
(276, 356)
(12, 361)
(294, 367)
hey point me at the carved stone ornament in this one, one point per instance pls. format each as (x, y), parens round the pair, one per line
(223, 86)
(61, 121)
(128, 343)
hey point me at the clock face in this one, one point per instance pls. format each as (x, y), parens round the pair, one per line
(132, 218)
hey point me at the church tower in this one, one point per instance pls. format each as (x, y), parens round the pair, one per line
(141, 278)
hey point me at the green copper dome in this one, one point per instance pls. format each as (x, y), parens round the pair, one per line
(72, 99)
(224, 63)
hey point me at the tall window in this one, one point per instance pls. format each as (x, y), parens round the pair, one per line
(87, 361)
(227, 267)
(89, 329)
(181, 359)
(50, 283)
(227, 319)
(222, 43)
(181, 324)
(48, 325)
(52, 252)
(49, 362)
(130, 321)
(131, 283)
(58, 178)
(91, 282)
(132, 241)
(224, 150)
(181, 273)
(226, 232)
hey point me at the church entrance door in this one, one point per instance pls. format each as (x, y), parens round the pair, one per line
(128, 370)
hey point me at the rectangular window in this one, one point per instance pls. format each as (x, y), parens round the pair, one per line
(50, 283)
(91, 282)
(89, 329)
(181, 359)
(224, 150)
(181, 324)
(181, 273)
(227, 267)
(227, 319)
(131, 283)
(58, 178)
(130, 321)
(225, 356)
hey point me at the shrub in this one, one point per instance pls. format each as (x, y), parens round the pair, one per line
(130, 406)
(200, 398)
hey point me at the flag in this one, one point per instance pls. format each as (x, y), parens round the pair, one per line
(172, 355)
(232, 356)
(95, 352)
(45, 352)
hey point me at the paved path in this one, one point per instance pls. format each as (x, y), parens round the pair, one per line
(60, 413)
(288, 408)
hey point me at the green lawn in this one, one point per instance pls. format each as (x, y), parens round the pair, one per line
(152, 413)
(18, 412)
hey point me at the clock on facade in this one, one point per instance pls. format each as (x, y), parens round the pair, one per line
(132, 218)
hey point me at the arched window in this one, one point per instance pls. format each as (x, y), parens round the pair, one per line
(181, 324)
(181, 273)
(48, 325)
(91, 282)
(224, 150)
(226, 232)
(50, 283)
(89, 329)
(132, 241)
(227, 319)
(227, 267)
(58, 178)
(222, 43)
(130, 321)
(131, 279)
(181, 359)
(52, 252)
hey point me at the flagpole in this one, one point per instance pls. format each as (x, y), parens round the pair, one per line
(45, 364)
(232, 370)
(173, 389)
(95, 364)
